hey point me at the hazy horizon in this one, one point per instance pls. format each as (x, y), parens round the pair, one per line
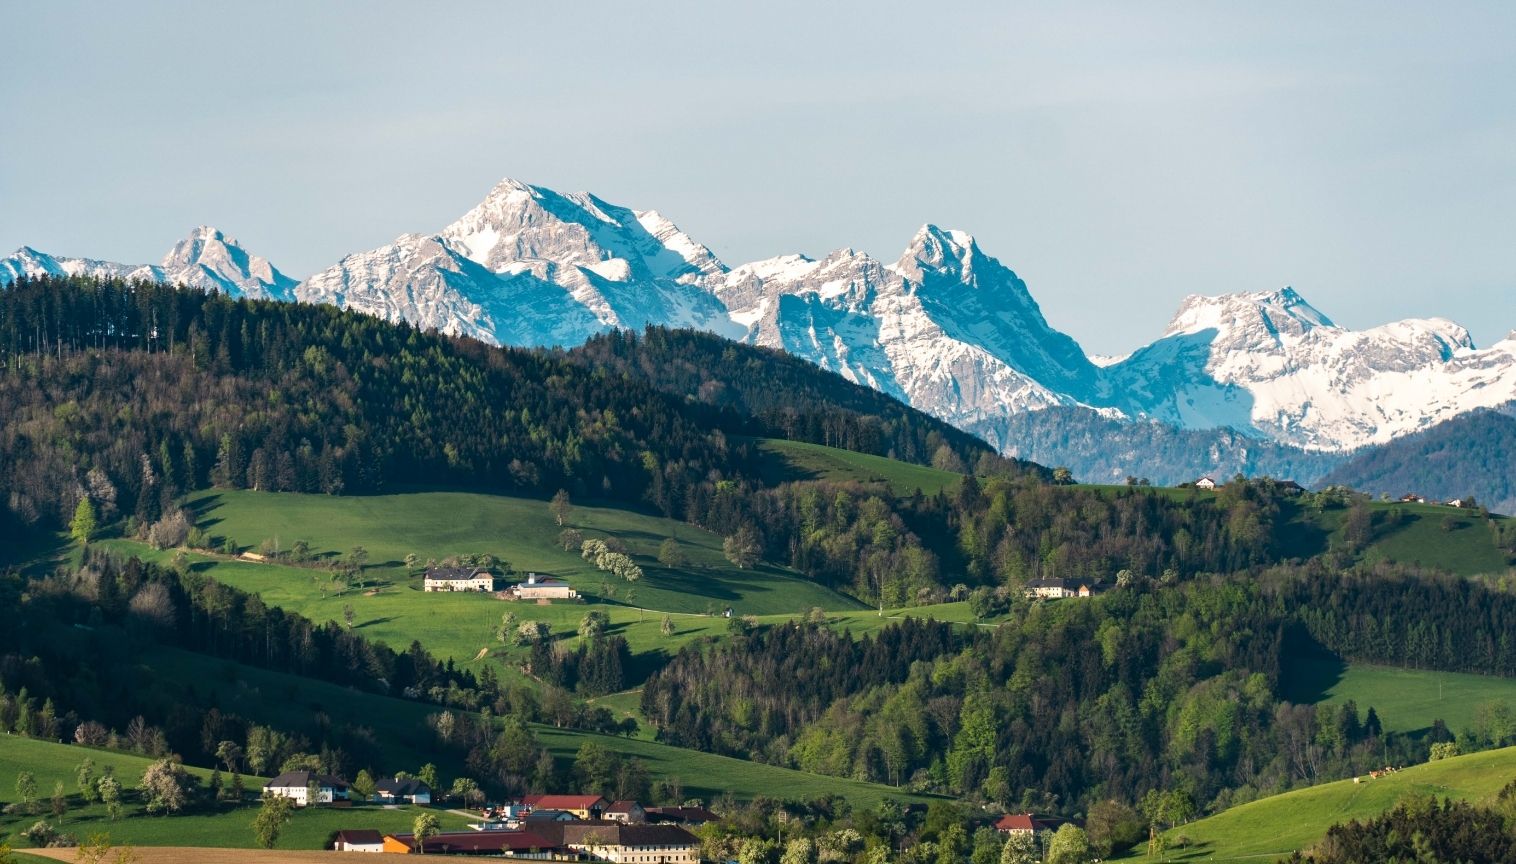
(1118, 159)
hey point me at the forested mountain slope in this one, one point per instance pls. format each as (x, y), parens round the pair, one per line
(1473, 456)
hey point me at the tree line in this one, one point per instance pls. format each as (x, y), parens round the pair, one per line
(1150, 688)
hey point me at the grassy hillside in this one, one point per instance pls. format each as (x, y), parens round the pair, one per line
(1406, 700)
(796, 460)
(390, 605)
(399, 727)
(518, 530)
(1427, 534)
(209, 825)
(1280, 824)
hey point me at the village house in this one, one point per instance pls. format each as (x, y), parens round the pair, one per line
(362, 840)
(538, 587)
(1205, 483)
(396, 790)
(1413, 498)
(298, 786)
(1055, 589)
(626, 812)
(459, 579)
(616, 843)
(582, 806)
(1021, 823)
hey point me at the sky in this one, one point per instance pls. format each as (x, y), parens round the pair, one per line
(1117, 156)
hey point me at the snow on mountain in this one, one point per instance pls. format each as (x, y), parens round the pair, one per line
(27, 261)
(207, 259)
(1271, 363)
(210, 260)
(946, 327)
(530, 266)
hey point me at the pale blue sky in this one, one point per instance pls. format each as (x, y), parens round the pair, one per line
(1118, 156)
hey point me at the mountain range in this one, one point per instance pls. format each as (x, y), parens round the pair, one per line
(1259, 382)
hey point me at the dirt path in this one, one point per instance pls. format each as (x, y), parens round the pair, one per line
(480, 655)
(198, 855)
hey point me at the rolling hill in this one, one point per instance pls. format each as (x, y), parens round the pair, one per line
(216, 825)
(1278, 825)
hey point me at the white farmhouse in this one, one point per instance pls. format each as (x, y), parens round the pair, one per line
(459, 579)
(298, 786)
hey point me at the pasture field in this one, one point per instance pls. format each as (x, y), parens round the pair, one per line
(796, 460)
(1273, 827)
(220, 825)
(521, 531)
(1431, 535)
(1406, 700)
(388, 603)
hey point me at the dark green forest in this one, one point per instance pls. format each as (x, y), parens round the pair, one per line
(1152, 687)
(1471, 456)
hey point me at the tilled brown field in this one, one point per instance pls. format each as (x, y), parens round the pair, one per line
(200, 855)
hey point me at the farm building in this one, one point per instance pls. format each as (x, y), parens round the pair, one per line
(582, 806)
(1054, 589)
(298, 786)
(459, 579)
(396, 790)
(538, 587)
(633, 844)
(1021, 823)
(626, 812)
(362, 840)
(512, 844)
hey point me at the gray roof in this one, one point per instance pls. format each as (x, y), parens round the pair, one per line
(457, 574)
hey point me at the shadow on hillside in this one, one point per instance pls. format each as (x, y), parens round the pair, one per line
(1308, 677)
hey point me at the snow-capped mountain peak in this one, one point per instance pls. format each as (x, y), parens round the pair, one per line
(543, 268)
(518, 223)
(1282, 310)
(207, 259)
(211, 260)
(937, 249)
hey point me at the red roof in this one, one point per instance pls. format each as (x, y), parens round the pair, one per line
(621, 807)
(361, 836)
(562, 802)
(1019, 822)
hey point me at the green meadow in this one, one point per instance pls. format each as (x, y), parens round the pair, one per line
(388, 604)
(1278, 825)
(1430, 535)
(796, 460)
(1406, 700)
(219, 825)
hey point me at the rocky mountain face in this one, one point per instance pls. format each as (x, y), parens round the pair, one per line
(1272, 365)
(530, 266)
(207, 259)
(1263, 382)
